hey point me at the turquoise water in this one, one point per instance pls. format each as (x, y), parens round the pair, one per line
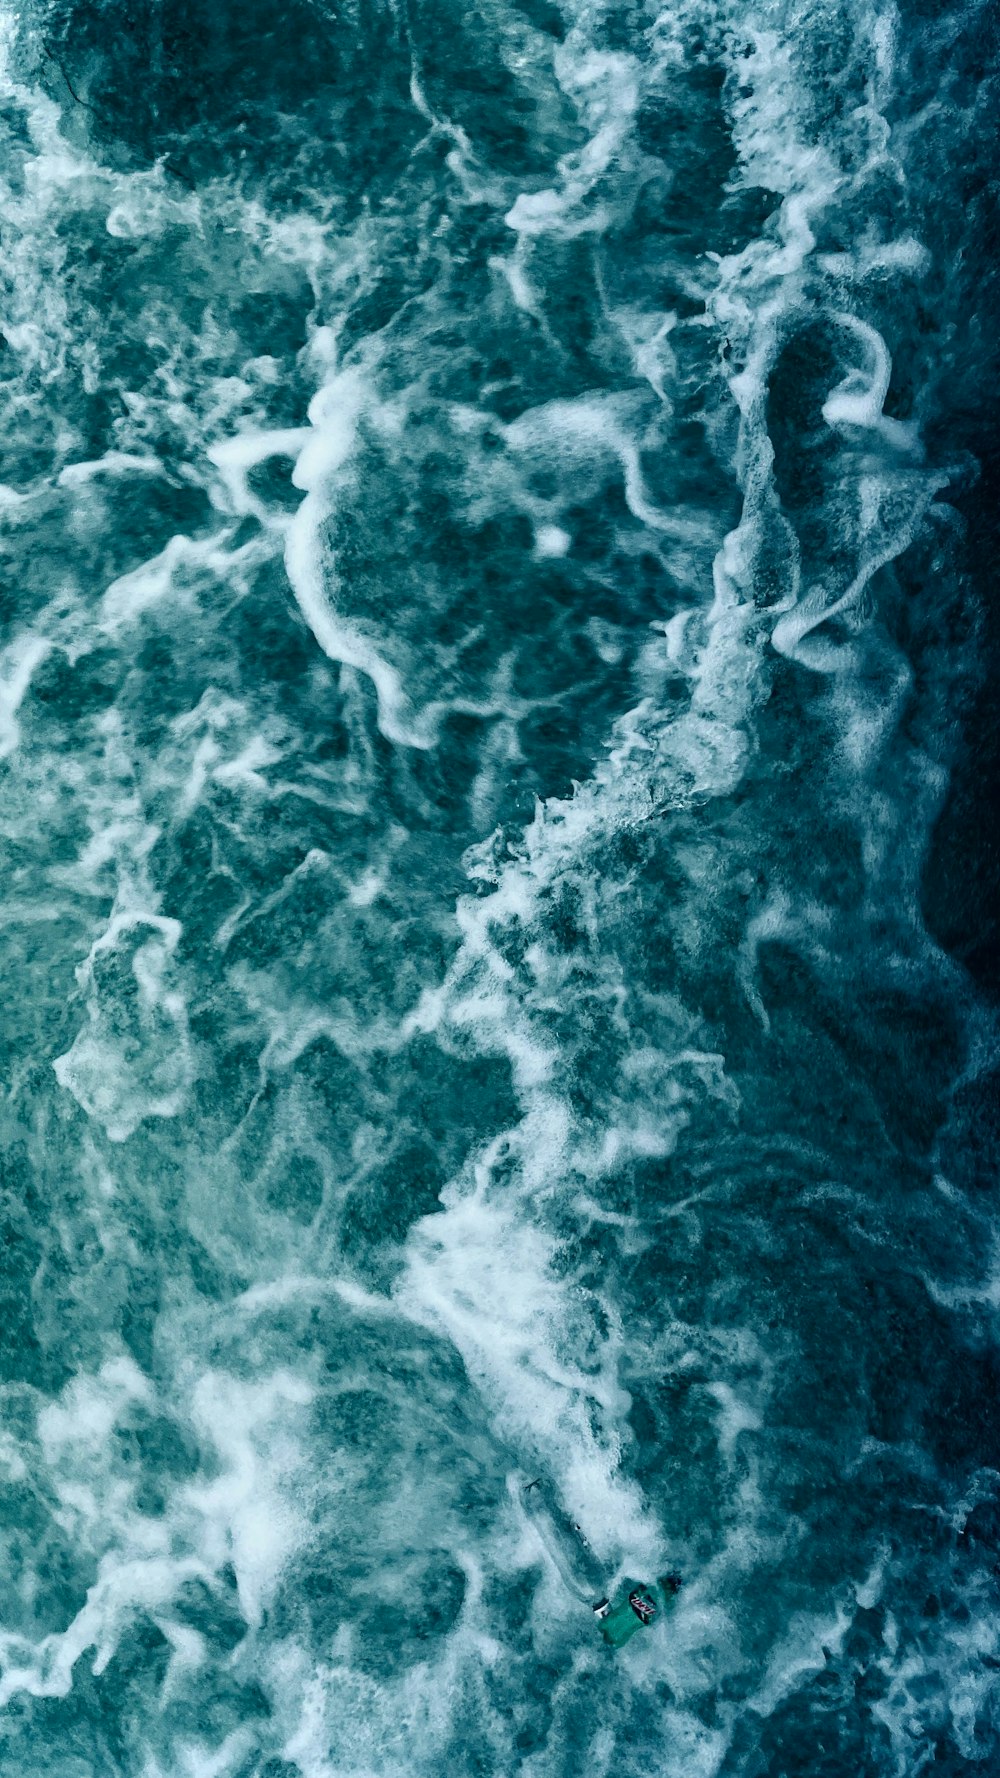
(499, 919)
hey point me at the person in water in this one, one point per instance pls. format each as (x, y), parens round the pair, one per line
(636, 1610)
(636, 1605)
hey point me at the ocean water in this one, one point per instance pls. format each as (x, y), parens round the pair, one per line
(499, 925)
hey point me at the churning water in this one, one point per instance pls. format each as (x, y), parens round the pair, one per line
(496, 924)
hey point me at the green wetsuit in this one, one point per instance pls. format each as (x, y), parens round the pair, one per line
(638, 1605)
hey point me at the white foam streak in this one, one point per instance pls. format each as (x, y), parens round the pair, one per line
(334, 414)
(605, 91)
(248, 1515)
(113, 1083)
(17, 665)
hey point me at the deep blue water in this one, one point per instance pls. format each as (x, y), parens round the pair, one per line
(498, 784)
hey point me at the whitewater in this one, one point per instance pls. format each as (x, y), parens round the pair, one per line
(499, 919)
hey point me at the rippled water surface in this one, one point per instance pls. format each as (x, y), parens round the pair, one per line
(498, 922)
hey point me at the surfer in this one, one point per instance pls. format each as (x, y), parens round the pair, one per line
(636, 1604)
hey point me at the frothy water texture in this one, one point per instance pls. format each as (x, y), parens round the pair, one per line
(498, 917)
